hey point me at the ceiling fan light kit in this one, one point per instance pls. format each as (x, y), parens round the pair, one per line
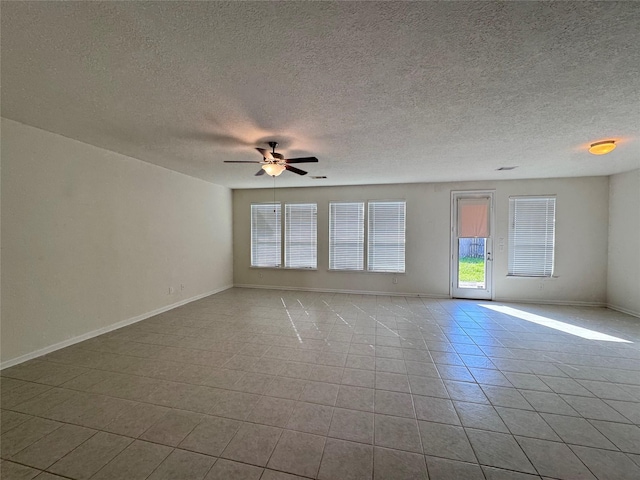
(603, 147)
(274, 163)
(273, 169)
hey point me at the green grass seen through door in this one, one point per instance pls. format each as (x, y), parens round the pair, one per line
(471, 269)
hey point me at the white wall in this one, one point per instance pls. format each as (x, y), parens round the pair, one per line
(581, 244)
(623, 279)
(91, 238)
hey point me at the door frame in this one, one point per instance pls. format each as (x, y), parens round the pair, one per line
(453, 245)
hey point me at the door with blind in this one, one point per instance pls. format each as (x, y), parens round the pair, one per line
(471, 245)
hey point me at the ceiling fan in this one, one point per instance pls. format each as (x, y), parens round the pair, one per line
(274, 163)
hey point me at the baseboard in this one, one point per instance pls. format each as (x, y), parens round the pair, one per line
(108, 328)
(564, 303)
(617, 308)
(333, 290)
(567, 303)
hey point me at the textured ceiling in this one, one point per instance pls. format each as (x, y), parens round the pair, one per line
(380, 92)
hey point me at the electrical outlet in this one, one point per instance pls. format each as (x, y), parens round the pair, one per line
(541, 286)
(171, 290)
(395, 280)
(260, 275)
(182, 286)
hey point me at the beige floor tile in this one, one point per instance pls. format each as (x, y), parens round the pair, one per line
(446, 441)
(236, 405)
(41, 404)
(253, 444)
(211, 436)
(136, 420)
(29, 432)
(284, 387)
(352, 425)
(15, 471)
(443, 469)
(394, 403)
(395, 382)
(320, 392)
(21, 394)
(435, 410)
(9, 420)
(136, 462)
(358, 378)
(554, 459)
(526, 423)
(577, 431)
(398, 465)
(310, 418)
(492, 473)
(91, 456)
(397, 432)
(499, 450)
(172, 428)
(346, 461)
(272, 411)
(355, 398)
(52, 447)
(298, 453)
(183, 465)
(608, 464)
(483, 417)
(229, 470)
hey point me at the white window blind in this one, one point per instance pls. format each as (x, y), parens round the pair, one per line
(301, 235)
(386, 238)
(346, 236)
(532, 223)
(266, 245)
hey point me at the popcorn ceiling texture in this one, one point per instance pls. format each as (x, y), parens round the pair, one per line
(381, 92)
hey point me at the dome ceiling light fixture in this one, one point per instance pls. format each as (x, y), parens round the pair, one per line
(603, 147)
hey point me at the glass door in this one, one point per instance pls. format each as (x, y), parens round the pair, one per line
(471, 245)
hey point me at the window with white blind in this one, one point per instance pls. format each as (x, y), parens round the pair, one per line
(266, 235)
(300, 235)
(386, 236)
(532, 223)
(346, 235)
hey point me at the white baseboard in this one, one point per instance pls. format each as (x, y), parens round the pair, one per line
(108, 328)
(623, 310)
(333, 290)
(567, 303)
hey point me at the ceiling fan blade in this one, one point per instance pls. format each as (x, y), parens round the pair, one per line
(265, 153)
(279, 156)
(302, 160)
(295, 170)
(241, 161)
(260, 172)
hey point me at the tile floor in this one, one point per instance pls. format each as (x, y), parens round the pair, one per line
(273, 385)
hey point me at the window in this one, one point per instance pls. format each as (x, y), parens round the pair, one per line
(266, 235)
(300, 235)
(531, 236)
(346, 236)
(386, 236)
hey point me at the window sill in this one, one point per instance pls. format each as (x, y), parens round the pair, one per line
(536, 277)
(286, 268)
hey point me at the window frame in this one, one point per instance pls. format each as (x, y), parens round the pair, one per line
(369, 235)
(362, 235)
(366, 236)
(282, 234)
(286, 246)
(254, 235)
(514, 267)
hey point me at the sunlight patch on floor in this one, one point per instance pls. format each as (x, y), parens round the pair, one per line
(555, 324)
